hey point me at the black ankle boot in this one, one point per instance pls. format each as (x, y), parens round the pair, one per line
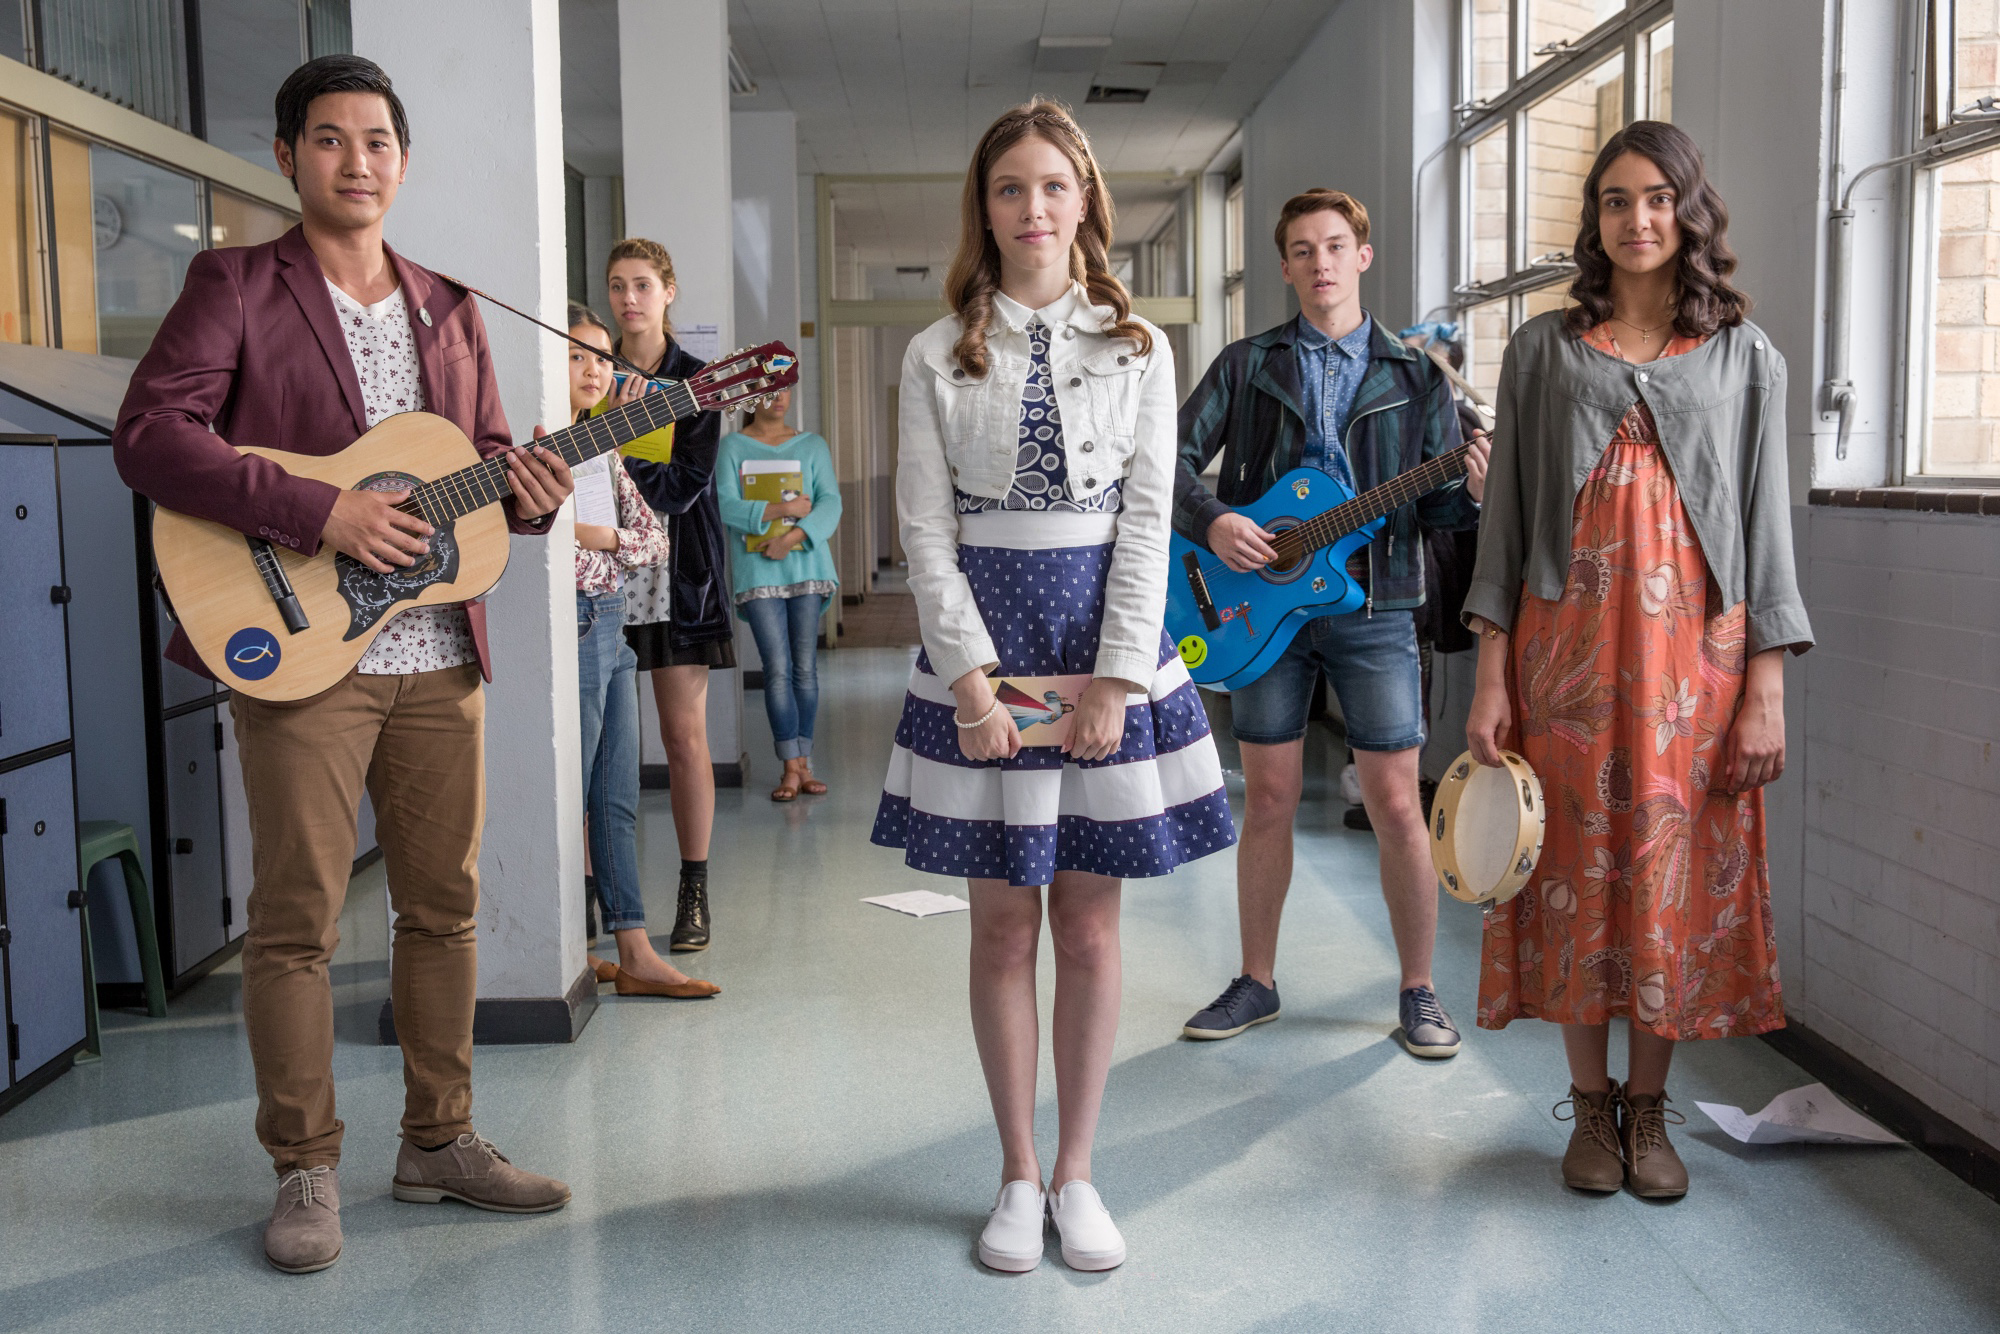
(691, 915)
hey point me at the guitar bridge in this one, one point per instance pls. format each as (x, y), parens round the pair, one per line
(1199, 585)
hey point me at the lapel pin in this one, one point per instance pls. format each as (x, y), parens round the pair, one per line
(424, 314)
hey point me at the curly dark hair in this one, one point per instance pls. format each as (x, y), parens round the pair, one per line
(1704, 299)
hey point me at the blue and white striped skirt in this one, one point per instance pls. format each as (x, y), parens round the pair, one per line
(1155, 803)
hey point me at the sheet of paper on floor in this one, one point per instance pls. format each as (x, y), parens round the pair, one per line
(920, 903)
(1809, 1115)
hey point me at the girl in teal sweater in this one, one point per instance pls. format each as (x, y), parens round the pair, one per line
(782, 579)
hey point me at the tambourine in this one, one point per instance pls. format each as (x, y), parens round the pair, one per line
(1486, 828)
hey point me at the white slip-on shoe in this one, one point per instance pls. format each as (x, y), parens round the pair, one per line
(1012, 1241)
(1090, 1240)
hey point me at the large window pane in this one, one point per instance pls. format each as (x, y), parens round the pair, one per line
(1565, 130)
(20, 274)
(76, 244)
(247, 49)
(1964, 435)
(1975, 55)
(1488, 221)
(1491, 72)
(133, 52)
(1659, 47)
(1486, 340)
(1554, 23)
(1544, 299)
(234, 220)
(147, 227)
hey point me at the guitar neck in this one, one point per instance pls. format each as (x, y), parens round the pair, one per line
(485, 483)
(1372, 504)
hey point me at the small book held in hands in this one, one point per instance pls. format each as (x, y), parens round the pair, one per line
(1041, 706)
(773, 481)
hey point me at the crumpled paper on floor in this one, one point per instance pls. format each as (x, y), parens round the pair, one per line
(1809, 1115)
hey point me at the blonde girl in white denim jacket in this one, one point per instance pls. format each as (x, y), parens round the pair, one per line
(1035, 488)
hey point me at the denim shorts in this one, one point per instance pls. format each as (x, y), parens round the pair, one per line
(1371, 662)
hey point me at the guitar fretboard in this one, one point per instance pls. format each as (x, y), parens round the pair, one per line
(459, 493)
(1350, 516)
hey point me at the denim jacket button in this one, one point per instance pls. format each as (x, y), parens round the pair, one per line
(1643, 377)
(1090, 483)
(1071, 333)
(1124, 361)
(1088, 446)
(1075, 381)
(958, 375)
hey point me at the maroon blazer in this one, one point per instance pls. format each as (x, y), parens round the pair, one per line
(253, 346)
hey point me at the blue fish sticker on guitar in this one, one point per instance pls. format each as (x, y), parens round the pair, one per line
(253, 653)
(1232, 627)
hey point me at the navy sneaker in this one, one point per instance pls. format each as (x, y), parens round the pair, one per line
(1427, 1030)
(1243, 1003)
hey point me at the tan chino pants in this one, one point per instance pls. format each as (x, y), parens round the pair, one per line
(418, 744)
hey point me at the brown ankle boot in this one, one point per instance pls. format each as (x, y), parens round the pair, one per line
(1653, 1169)
(1595, 1161)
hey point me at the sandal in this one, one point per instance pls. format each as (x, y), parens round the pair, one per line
(787, 790)
(812, 787)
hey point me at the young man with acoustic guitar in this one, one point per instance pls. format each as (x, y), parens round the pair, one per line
(1333, 390)
(303, 344)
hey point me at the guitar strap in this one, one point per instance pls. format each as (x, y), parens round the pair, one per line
(564, 334)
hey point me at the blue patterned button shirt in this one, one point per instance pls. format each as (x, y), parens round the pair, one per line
(1041, 477)
(1330, 373)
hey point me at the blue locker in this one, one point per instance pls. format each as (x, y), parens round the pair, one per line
(34, 687)
(44, 948)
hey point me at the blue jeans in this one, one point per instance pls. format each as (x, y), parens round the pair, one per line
(787, 631)
(607, 676)
(1372, 664)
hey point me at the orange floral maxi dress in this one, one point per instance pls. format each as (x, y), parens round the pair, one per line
(1652, 899)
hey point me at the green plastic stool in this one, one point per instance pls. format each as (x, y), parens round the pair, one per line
(100, 840)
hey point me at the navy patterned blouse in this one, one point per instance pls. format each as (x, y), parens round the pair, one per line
(1041, 479)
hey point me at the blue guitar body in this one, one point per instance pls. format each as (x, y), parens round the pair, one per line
(1231, 627)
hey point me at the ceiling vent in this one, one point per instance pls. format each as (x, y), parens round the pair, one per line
(1070, 55)
(1099, 93)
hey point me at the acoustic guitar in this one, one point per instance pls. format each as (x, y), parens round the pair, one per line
(277, 625)
(1231, 627)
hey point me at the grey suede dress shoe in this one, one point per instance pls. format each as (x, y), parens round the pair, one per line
(303, 1235)
(471, 1171)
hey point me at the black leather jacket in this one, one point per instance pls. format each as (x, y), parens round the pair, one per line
(683, 491)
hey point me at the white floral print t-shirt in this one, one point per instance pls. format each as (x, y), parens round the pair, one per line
(422, 639)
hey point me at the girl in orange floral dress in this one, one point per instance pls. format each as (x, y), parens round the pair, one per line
(1638, 666)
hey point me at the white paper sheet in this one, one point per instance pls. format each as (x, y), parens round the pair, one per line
(703, 342)
(920, 903)
(596, 496)
(1809, 1115)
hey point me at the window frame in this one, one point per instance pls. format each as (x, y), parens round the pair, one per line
(1944, 135)
(1233, 239)
(1627, 34)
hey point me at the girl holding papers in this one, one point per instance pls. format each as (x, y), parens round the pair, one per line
(616, 531)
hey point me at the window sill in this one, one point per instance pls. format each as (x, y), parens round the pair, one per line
(1934, 500)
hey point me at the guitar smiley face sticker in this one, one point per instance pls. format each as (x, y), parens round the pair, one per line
(253, 653)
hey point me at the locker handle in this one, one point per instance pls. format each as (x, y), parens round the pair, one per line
(59, 595)
(6, 936)
(183, 845)
(76, 899)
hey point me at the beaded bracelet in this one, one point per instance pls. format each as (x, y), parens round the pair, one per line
(981, 721)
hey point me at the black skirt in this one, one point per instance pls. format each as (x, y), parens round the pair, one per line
(653, 646)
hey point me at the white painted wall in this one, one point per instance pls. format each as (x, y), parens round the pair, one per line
(485, 107)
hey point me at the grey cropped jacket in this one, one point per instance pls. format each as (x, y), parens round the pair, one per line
(1720, 410)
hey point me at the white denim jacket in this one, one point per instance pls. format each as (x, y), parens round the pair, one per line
(962, 431)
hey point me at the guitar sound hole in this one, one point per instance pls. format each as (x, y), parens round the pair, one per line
(1291, 563)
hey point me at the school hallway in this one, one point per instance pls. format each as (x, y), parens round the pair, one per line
(812, 1150)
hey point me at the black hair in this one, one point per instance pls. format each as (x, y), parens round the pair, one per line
(336, 74)
(580, 314)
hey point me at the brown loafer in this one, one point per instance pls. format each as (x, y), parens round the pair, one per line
(472, 1171)
(303, 1236)
(692, 989)
(1595, 1159)
(1652, 1168)
(606, 970)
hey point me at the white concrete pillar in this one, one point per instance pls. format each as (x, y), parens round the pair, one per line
(484, 202)
(764, 165)
(673, 76)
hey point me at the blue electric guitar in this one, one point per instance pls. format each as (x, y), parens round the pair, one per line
(1231, 627)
